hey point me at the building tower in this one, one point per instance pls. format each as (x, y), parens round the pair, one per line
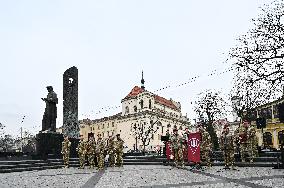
(142, 82)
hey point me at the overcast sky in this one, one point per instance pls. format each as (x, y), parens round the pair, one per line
(111, 42)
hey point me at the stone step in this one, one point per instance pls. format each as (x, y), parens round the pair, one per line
(18, 162)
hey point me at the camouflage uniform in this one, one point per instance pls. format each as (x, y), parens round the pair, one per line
(237, 140)
(119, 151)
(185, 138)
(82, 149)
(66, 144)
(206, 148)
(227, 145)
(252, 144)
(243, 135)
(177, 144)
(111, 151)
(91, 149)
(100, 149)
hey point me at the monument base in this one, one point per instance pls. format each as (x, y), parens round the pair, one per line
(49, 145)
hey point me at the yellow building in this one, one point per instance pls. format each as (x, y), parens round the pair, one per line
(270, 112)
(139, 108)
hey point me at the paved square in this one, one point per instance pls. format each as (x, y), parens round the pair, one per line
(146, 176)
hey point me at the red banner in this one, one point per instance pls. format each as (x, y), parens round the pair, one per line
(194, 147)
(168, 151)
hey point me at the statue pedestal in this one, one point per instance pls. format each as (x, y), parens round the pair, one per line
(49, 145)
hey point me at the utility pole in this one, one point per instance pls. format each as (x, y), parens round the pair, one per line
(21, 139)
(22, 133)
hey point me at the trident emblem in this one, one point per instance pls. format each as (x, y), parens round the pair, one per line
(193, 144)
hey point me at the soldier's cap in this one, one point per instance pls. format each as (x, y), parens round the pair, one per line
(49, 87)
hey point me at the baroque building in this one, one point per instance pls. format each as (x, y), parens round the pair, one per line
(143, 115)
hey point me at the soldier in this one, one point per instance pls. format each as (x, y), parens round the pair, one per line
(205, 146)
(66, 144)
(119, 151)
(82, 149)
(227, 145)
(237, 141)
(100, 149)
(252, 144)
(185, 138)
(91, 149)
(243, 137)
(111, 151)
(177, 144)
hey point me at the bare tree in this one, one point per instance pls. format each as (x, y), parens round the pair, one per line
(258, 58)
(209, 107)
(144, 129)
(1, 130)
(7, 143)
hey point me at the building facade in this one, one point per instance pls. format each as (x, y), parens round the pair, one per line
(270, 113)
(144, 116)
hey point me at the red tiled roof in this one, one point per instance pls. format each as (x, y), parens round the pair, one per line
(165, 102)
(135, 91)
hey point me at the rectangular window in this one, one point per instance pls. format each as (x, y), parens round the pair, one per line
(275, 111)
(112, 124)
(98, 127)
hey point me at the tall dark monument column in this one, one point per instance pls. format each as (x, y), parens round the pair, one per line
(70, 103)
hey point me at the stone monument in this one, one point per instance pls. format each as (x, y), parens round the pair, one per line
(70, 103)
(48, 141)
(70, 108)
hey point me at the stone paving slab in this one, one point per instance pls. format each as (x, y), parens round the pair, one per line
(146, 177)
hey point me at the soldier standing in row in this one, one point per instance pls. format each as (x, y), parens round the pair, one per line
(205, 147)
(177, 143)
(82, 149)
(252, 144)
(111, 151)
(100, 149)
(66, 144)
(91, 148)
(119, 151)
(185, 138)
(227, 145)
(243, 137)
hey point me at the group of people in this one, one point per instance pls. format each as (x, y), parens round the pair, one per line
(179, 146)
(95, 151)
(243, 141)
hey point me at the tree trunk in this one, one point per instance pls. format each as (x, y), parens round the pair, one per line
(213, 135)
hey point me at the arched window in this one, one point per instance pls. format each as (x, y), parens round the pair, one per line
(135, 108)
(141, 104)
(126, 110)
(150, 104)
